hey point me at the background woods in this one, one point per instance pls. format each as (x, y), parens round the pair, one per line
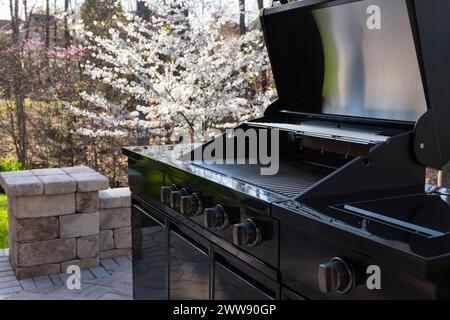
(81, 81)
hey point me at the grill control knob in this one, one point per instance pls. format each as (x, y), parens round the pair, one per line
(338, 275)
(217, 217)
(165, 193)
(247, 232)
(191, 204)
(175, 197)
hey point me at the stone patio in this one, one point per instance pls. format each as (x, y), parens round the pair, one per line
(112, 280)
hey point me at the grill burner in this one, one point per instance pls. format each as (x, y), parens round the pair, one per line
(292, 179)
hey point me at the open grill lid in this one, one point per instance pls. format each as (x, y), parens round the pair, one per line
(383, 60)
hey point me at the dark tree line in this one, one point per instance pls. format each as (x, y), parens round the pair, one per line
(21, 14)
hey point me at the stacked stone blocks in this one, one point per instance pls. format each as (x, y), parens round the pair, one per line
(53, 219)
(115, 222)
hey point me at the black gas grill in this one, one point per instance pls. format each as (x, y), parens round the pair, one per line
(363, 110)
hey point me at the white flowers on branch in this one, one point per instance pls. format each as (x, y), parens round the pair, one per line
(173, 72)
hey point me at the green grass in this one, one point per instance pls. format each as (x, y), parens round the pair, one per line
(3, 222)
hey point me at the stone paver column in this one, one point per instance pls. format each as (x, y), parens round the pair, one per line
(53, 219)
(115, 222)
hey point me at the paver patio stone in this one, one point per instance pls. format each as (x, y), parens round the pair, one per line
(63, 276)
(99, 284)
(113, 296)
(6, 273)
(56, 280)
(10, 290)
(123, 261)
(27, 284)
(5, 268)
(8, 284)
(99, 272)
(82, 263)
(86, 275)
(43, 282)
(114, 253)
(7, 278)
(109, 264)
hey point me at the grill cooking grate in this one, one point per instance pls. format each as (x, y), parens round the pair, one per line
(293, 178)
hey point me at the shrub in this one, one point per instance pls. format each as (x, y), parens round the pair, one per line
(9, 164)
(3, 222)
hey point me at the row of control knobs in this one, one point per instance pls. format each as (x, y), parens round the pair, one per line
(338, 275)
(189, 203)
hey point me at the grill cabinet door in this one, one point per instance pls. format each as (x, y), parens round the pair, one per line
(189, 269)
(230, 286)
(149, 254)
(287, 294)
(234, 279)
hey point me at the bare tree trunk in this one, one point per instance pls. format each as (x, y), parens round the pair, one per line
(47, 24)
(94, 149)
(264, 74)
(22, 125)
(260, 4)
(55, 26)
(114, 163)
(25, 8)
(66, 24)
(14, 9)
(94, 146)
(21, 132)
(27, 19)
(11, 12)
(242, 27)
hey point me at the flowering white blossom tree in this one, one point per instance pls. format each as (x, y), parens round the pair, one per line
(172, 73)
